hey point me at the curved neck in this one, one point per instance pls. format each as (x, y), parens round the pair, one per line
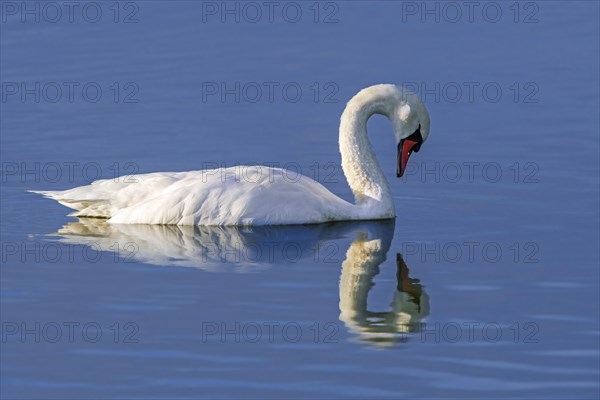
(365, 177)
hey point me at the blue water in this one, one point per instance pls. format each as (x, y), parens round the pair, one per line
(486, 284)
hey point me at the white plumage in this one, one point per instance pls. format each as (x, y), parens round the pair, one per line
(263, 195)
(208, 197)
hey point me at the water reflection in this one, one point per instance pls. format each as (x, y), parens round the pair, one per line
(248, 249)
(409, 306)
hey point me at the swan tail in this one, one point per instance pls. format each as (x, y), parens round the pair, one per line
(91, 208)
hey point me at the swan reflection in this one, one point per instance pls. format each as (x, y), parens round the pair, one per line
(409, 306)
(248, 249)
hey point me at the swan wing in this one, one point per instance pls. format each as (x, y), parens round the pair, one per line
(103, 198)
(228, 196)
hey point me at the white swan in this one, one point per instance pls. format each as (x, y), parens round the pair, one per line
(269, 197)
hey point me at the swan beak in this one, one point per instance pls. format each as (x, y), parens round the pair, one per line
(405, 149)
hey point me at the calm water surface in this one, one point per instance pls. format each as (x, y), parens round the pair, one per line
(485, 285)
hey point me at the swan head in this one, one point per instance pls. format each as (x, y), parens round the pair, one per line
(410, 121)
(405, 110)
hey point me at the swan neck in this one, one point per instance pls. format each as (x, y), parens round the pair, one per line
(361, 168)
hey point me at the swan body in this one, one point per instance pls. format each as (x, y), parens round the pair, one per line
(265, 195)
(208, 197)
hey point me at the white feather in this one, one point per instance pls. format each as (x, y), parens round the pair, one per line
(263, 196)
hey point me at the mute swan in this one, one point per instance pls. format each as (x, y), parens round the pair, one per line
(224, 197)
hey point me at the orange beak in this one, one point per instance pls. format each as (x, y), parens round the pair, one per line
(405, 149)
